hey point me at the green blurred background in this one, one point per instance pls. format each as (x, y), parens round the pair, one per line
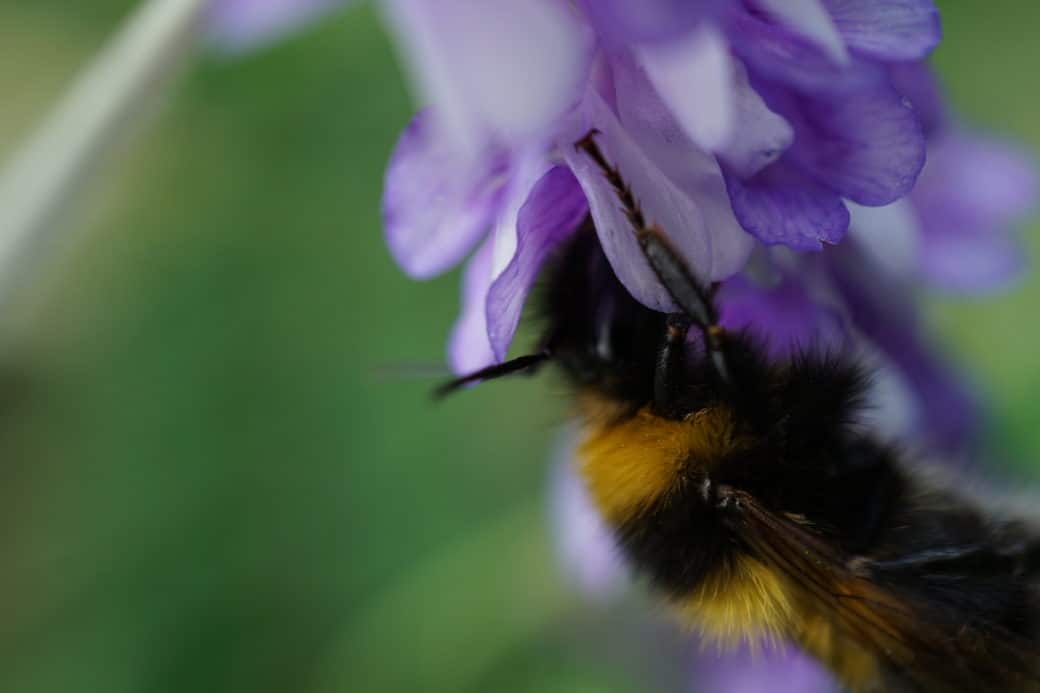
(208, 479)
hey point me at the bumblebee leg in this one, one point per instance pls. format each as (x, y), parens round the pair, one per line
(671, 361)
(695, 300)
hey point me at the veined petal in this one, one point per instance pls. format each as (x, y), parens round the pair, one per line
(781, 206)
(694, 77)
(549, 215)
(436, 202)
(892, 30)
(778, 53)
(865, 144)
(663, 204)
(506, 68)
(469, 348)
(693, 171)
(810, 19)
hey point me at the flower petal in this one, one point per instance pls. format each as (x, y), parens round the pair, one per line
(711, 100)
(786, 318)
(970, 193)
(663, 203)
(694, 78)
(780, 205)
(915, 81)
(865, 144)
(693, 171)
(810, 19)
(469, 348)
(977, 261)
(549, 215)
(764, 135)
(504, 68)
(778, 53)
(623, 21)
(892, 30)
(436, 203)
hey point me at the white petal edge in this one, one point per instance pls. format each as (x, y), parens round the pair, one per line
(507, 68)
(810, 19)
(694, 77)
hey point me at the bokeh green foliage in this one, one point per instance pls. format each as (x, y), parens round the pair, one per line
(216, 473)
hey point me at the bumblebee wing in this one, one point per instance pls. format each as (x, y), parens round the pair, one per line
(917, 639)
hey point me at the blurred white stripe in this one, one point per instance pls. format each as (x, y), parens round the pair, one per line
(89, 118)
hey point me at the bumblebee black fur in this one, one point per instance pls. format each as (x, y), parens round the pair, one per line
(750, 496)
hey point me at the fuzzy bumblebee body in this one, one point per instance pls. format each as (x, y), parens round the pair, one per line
(761, 509)
(751, 498)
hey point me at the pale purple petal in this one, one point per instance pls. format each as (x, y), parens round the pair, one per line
(551, 213)
(972, 261)
(810, 19)
(785, 670)
(892, 30)
(693, 171)
(865, 144)
(970, 194)
(775, 52)
(506, 69)
(624, 21)
(782, 206)
(469, 348)
(763, 135)
(783, 316)
(586, 547)
(694, 77)
(663, 202)
(242, 24)
(436, 202)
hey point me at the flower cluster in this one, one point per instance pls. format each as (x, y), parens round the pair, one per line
(756, 133)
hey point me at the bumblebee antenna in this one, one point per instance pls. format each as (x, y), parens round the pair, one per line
(527, 364)
(689, 294)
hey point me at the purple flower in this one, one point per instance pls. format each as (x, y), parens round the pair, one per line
(738, 124)
(237, 25)
(752, 131)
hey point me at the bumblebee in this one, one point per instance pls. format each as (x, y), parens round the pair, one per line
(752, 499)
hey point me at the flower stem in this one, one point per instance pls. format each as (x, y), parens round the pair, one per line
(70, 142)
